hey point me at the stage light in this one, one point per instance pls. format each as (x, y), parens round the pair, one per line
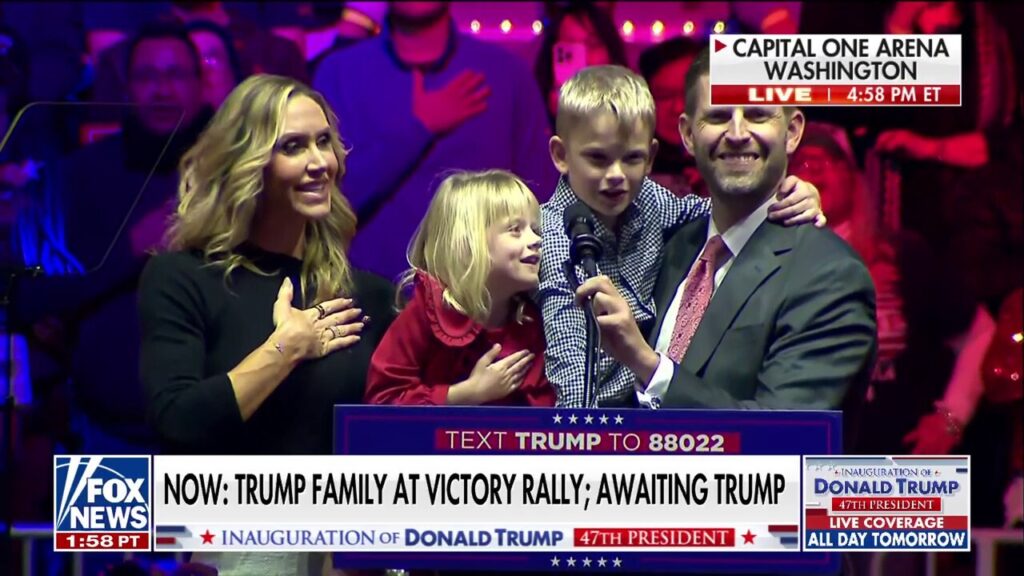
(627, 28)
(688, 27)
(538, 27)
(474, 26)
(658, 28)
(506, 26)
(719, 27)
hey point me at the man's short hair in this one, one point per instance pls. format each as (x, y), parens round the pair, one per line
(700, 67)
(597, 89)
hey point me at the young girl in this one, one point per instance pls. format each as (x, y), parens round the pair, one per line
(470, 334)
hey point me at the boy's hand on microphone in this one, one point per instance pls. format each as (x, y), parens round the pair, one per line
(620, 335)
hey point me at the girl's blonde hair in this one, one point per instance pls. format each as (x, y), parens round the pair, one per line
(222, 179)
(451, 242)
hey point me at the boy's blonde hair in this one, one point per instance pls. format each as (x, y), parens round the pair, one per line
(451, 242)
(597, 89)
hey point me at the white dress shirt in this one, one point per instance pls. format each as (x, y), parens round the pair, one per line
(735, 239)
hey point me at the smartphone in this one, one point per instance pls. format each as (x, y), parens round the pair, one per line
(569, 58)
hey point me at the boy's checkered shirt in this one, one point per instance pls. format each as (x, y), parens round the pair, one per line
(632, 260)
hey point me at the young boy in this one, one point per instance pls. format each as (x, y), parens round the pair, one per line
(604, 148)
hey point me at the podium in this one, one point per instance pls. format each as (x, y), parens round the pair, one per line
(558, 432)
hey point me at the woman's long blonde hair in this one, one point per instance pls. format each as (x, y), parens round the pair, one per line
(222, 179)
(451, 242)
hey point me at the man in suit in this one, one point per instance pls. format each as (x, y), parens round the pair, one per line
(767, 317)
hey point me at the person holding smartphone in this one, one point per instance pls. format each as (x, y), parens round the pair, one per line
(579, 35)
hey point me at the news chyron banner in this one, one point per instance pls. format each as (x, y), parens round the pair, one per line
(532, 489)
(577, 506)
(885, 503)
(836, 70)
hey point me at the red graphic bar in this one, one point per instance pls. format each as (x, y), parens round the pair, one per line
(886, 504)
(119, 541)
(587, 441)
(654, 537)
(835, 95)
(886, 522)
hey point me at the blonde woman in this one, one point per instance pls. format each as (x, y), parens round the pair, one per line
(255, 324)
(470, 334)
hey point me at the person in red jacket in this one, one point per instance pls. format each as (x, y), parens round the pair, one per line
(470, 334)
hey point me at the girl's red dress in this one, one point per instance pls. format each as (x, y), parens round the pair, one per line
(431, 346)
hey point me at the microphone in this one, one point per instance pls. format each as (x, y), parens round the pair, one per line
(585, 248)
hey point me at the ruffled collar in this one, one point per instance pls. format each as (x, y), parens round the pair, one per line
(448, 324)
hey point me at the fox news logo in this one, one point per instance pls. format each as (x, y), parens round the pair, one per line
(107, 495)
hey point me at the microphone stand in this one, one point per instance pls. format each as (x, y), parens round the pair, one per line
(593, 333)
(593, 340)
(593, 337)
